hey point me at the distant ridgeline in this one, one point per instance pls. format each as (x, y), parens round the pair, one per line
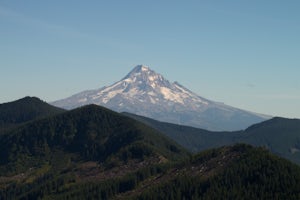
(279, 135)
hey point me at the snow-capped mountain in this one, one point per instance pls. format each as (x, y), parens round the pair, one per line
(147, 93)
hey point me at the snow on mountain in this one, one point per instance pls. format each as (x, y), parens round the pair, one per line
(147, 93)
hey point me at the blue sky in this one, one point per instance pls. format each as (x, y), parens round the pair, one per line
(243, 53)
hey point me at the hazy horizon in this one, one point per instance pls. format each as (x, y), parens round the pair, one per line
(244, 54)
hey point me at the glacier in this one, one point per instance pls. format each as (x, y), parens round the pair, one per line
(144, 92)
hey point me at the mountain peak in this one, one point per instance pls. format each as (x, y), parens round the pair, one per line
(138, 71)
(142, 67)
(144, 92)
(143, 75)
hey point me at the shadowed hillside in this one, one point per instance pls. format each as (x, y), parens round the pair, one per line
(280, 135)
(90, 133)
(24, 110)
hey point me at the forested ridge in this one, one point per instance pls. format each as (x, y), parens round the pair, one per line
(280, 135)
(236, 172)
(23, 110)
(95, 153)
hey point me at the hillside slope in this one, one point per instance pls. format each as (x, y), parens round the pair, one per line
(24, 110)
(280, 135)
(236, 172)
(193, 139)
(88, 133)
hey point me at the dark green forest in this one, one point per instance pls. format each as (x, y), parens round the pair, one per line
(24, 110)
(255, 174)
(237, 172)
(95, 153)
(90, 133)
